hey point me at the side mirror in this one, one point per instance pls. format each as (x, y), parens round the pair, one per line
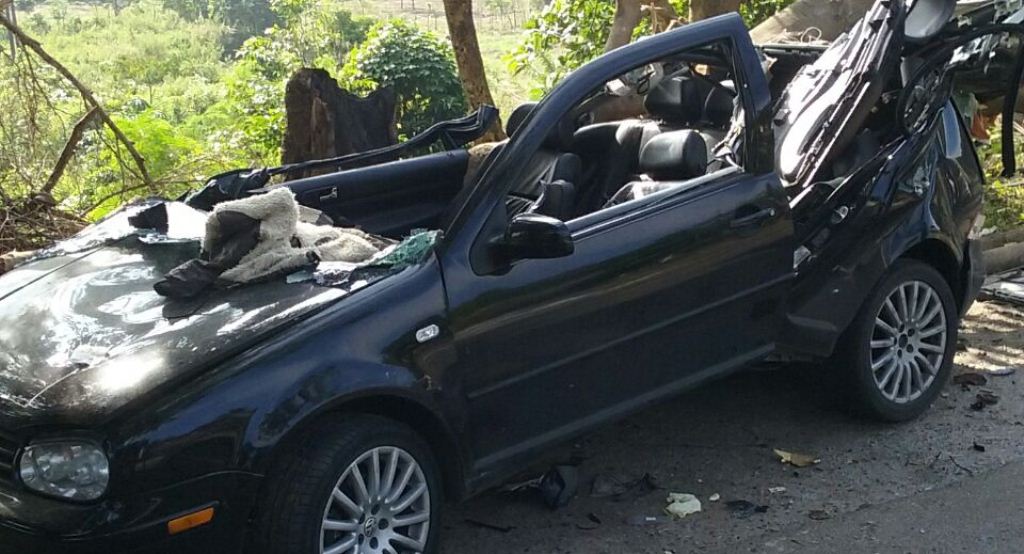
(535, 236)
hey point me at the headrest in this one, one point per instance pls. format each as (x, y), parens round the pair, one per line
(676, 155)
(568, 167)
(678, 99)
(560, 138)
(518, 116)
(718, 108)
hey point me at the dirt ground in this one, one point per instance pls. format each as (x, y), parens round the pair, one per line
(720, 438)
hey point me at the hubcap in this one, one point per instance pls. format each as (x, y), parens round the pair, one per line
(909, 342)
(379, 505)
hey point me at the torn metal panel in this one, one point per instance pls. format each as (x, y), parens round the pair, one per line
(1008, 287)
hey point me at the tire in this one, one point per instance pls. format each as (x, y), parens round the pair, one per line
(302, 489)
(899, 382)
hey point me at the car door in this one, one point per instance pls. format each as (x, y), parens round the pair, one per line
(656, 296)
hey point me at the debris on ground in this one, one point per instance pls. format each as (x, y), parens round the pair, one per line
(1003, 371)
(714, 497)
(796, 459)
(559, 485)
(643, 521)
(744, 508)
(972, 379)
(682, 504)
(978, 447)
(776, 490)
(819, 515)
(620, 488)
(486, 525)
(983, 400)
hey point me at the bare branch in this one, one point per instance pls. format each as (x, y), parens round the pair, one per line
(69, 151)
(87, 94)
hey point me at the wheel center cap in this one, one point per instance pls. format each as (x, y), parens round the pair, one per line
(370, 526)
(903, 341)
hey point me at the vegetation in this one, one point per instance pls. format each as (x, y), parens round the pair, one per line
(198, 85)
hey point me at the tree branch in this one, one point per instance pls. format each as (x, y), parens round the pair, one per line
(69, 151)
(87, 94)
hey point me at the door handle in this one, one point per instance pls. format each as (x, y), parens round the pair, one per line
(753, 219)
(329, 195)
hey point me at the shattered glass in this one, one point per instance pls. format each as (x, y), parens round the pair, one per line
(411, 251)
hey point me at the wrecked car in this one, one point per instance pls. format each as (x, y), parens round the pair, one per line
(205, 373)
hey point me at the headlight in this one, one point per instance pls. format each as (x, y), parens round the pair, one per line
(75, 470)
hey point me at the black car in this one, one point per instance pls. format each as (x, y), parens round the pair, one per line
(771, 204)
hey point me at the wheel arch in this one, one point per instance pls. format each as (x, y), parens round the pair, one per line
(943, 258)
(399, 407)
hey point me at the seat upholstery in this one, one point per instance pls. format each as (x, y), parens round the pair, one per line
(667, 161)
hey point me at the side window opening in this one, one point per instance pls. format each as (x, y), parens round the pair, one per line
(653, 131)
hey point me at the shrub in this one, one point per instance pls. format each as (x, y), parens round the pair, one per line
(418, 66)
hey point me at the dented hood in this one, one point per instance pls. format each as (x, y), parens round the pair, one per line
(82, 332)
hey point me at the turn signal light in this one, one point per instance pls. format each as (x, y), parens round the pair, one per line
(190, 521)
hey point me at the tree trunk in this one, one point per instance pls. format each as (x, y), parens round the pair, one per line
(627, 17)
(703, 9)
(831, 17)
(325, 121)
(462, 30)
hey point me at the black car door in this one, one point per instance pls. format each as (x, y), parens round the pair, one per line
(649, 302)
(656, 296)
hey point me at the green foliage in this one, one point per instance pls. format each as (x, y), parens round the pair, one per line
(569, 33)
(565, 35)
(243, 18)
(417, 65)
(1004, 198)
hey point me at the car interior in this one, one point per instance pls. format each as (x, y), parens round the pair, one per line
(685, 132)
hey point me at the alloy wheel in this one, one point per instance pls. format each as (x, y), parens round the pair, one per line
(908, 342)
(381, 504)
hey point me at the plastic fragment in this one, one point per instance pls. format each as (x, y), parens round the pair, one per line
(776, 490)
(682, 504)
(558, 486)
(796, 459)
(643, 521)
(714, 497)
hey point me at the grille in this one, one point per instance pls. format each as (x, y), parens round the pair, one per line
(8, 449)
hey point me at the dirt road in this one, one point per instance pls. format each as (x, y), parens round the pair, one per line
(877, 488)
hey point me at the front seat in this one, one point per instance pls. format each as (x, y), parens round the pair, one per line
(668, 161)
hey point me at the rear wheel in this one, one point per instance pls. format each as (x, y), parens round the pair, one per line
(898, 353)
(366, 485)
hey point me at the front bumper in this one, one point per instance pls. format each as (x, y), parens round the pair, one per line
(974, 275)
(30, 524)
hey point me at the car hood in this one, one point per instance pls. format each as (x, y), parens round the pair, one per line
(82, 332)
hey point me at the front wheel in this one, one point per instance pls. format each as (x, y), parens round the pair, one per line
(363, 486)
(898, 353)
